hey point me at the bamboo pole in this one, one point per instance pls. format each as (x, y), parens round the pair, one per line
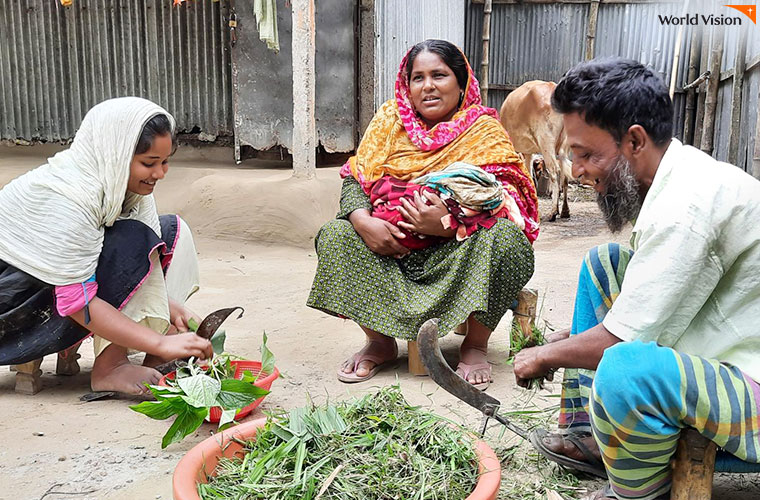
(484, 61)
(734, 132)
(711, 99)
(677, 53)
(593, 16)
(691, 94)
(703, 64)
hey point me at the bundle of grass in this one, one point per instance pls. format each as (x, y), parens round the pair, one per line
(376, 447)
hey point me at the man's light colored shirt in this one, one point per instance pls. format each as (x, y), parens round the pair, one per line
(693, 283)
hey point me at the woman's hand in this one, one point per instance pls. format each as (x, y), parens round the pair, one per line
(380, 236)
(422, 218)
(179, 316)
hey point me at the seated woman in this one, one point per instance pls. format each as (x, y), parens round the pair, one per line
(391, 274)
(82, 250)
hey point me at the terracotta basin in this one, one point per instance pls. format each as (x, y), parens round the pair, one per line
(203, 458)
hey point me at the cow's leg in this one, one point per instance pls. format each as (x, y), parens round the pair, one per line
(552, 168)
(565, 208)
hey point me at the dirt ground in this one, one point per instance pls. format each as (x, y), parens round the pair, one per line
(254, 227)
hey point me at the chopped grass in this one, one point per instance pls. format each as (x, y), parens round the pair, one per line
(375, 447)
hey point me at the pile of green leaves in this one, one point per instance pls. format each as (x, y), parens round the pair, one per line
(518, 341)
(195, 390)
(376, 447)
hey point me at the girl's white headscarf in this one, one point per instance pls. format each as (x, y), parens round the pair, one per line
(52, 219)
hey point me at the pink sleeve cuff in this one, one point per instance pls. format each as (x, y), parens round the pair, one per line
(71, 298)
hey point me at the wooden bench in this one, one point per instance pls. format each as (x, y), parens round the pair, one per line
(28, 375)
(524, 311)
(695, 463)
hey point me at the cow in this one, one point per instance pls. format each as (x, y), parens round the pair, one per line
(535, 127)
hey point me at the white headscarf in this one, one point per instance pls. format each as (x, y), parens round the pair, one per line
(52, 219)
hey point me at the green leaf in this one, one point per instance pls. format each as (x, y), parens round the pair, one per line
(217, 341)
(267, 358)
(193, 325)
(159, 410)
(201, 390)
(227, 417)
(185, 423)
(236, 394)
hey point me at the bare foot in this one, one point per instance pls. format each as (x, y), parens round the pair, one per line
(386, 350)
(112, 371)
(558, 444)
(475, 356)
(151, 360)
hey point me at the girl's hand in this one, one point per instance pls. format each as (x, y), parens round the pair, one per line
(424, 218)
(184, 345)
(179, 316)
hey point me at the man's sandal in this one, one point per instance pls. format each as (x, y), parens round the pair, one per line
(592, 466)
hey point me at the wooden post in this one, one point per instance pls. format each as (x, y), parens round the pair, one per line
(28, 379)
(734, 131)
(756, 159)
(366, 64)
(703, 62)
(693, 467)
(593, 15)
(525, 312)
(304, 82)
(416, 366)
(484, 61)
(691, 94)
(711, 100)
(68, 361)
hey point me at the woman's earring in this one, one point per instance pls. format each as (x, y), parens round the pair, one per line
(461, 97)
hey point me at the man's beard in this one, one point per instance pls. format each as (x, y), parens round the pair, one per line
(622, 202)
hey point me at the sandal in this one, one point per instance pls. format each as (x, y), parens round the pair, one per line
(592, 466)
(606, 493)
(352, 378)
(466, 369)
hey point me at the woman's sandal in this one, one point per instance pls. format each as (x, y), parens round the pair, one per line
(380, 362)
(592, 466)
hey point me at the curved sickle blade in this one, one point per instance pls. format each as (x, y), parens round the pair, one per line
(444, 376)
(213, 321)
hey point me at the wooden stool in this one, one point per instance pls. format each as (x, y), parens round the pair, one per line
(524, 314)
(695, 463)
(693, 467)
(28, 375)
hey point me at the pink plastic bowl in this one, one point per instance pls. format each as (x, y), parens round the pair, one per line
(254, 367)
(203, 458)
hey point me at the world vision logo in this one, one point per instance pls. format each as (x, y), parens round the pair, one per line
(748, 10)
(711, 19)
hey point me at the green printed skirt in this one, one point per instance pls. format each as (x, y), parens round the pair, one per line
(449, 281)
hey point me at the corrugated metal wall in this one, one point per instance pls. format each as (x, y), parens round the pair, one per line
(399, 25)
(542, 41)
(57, 62)
(750, 95)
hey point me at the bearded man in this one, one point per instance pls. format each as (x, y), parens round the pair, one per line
(666, 335)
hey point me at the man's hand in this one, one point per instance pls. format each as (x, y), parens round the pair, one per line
(380, 236)
(529, 364)
(184, 345)
(423, 218)
(179, 316)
